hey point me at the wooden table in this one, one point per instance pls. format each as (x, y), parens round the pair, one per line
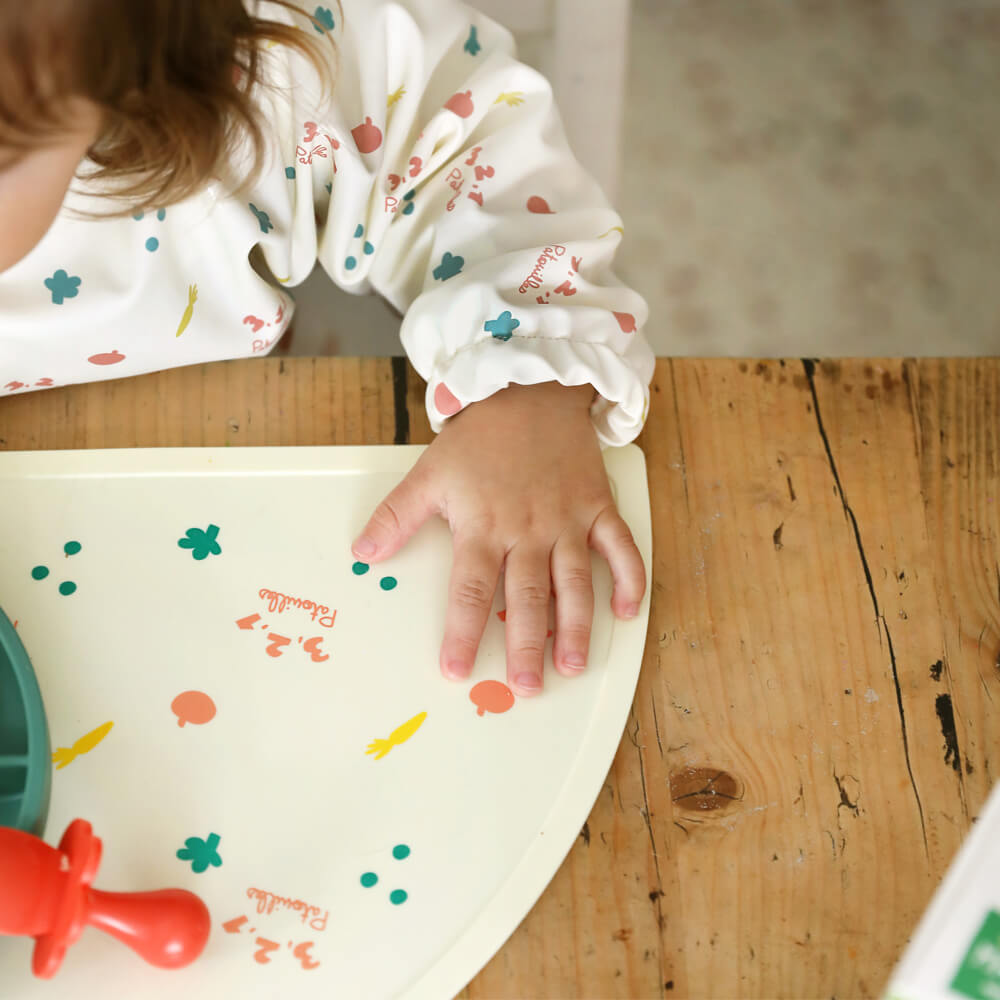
(814, 729)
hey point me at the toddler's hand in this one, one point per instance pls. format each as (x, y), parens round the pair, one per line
(520, 480)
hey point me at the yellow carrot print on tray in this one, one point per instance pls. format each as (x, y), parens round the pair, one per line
(186, 318)
(66, 755)
(397, 737)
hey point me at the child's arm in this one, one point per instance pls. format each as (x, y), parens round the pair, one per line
(454, 195)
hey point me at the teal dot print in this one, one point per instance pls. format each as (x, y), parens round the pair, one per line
(40, 572)
(359, 232)
(290, 173)
(351, 263)
(152, 244)
(400, 852)
(358, 569)
(369, 249)
(388, 583)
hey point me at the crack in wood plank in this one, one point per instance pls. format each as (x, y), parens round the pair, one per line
(809, 365)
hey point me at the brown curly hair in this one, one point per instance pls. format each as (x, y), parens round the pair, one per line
(173, 80)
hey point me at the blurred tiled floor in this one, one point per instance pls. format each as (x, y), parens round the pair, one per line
(802, 177)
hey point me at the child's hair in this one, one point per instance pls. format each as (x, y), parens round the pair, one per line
(171, 78)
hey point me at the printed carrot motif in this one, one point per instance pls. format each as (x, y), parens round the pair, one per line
(395, 96)
(398, 736)
(186, 318)
(512, 98)
(84, 744)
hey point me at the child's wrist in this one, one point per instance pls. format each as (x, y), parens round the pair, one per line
(552, 393)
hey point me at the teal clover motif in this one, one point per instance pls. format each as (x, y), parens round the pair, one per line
(323, 19)
(503, 326)
(451, 264)
(472, 45)
(62, 286)
(201, 853)
(266, 225)
(201, 543)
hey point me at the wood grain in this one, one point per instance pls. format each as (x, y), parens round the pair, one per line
(814, 729)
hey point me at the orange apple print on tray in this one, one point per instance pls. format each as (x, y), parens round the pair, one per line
(193, 706)
(111, 358)
(491, 696)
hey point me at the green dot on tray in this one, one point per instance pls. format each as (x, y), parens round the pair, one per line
(39, 573)
(360, 568)
(71, 548)
(67, 588)
(387, 583)
(369, 879)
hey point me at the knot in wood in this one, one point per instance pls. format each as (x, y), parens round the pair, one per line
(704, 789)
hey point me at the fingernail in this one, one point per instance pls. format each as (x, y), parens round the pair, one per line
(575, 660)
(457, 670)
(364, 547)
(529, 682)
(631, 611)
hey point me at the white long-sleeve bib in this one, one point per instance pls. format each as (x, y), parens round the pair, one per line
(436, 174)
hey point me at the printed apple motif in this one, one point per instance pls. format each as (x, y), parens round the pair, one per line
(626, 321)
(367, 137)
(461, 104)
(111, 358)
(446, 401)
(539, 206)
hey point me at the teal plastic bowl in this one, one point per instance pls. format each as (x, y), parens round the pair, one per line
(25, 752)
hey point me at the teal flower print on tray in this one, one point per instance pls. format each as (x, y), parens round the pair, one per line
(62, 286)
(201, 853)
(201, 543)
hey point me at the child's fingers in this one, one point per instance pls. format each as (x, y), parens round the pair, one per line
(571, 579)
(396, 518)
(611, 537)
(474, 575)
(527, 586)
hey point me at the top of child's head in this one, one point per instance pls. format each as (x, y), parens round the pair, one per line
(145, 99)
